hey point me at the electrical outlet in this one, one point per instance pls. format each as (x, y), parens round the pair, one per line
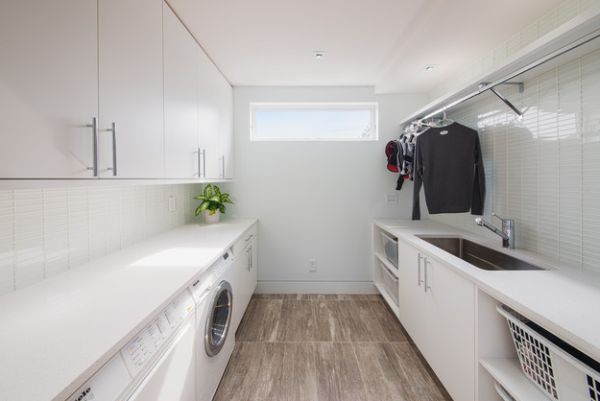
(312, 265)
(392, 197)
(172, 204)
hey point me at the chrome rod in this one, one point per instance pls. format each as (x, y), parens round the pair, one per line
(114, 149)
(507, 102)
(203, 163)
(426, 281)
(199, 163)
(94, 127)
(484, 87)
(419, 280)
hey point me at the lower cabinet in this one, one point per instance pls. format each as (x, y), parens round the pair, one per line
(246, 275)
(437, 308)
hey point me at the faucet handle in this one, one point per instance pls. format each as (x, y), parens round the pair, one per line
(498, 217)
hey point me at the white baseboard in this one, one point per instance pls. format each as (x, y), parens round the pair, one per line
(316, 287)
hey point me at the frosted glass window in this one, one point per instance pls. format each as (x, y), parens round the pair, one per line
(313, 121)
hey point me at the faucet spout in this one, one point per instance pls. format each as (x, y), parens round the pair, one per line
(507, 233)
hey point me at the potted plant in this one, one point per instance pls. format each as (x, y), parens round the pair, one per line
(213, 203)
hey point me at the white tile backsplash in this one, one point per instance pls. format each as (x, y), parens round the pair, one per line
(49, 230)
(544, 171)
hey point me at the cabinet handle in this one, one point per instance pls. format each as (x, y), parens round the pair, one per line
(426, 286)
(114, 149)
(94, 127)
(419, 280)
(248, 238)
(203, 163)
(113, 131)
(199, 163)
(223, 167)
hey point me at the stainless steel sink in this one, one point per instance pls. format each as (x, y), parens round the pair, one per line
(478, 255)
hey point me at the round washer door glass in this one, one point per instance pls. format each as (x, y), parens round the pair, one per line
(219, 318)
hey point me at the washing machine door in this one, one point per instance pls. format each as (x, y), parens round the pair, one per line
(219, 319)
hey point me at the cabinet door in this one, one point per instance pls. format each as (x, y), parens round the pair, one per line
(131, 88)
(209, 115)
(450, 332)
(411, 292)
(181, 61)
(48, 88)
(226, 129)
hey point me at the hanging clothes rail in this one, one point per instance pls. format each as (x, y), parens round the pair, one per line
(508, 79)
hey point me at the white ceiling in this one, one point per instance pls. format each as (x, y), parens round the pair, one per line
(386, 43)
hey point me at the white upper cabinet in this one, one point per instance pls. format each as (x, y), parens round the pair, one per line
(181, 63)
(226, 129)
(209, 116)
(131, 88)
(48, 88)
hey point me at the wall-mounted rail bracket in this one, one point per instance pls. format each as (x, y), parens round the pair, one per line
(521, 86)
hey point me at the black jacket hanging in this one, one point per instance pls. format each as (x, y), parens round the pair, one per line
(448, 163)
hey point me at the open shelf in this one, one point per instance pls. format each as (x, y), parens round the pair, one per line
(393, 269)
(580, 28)
(387, 298)
(507, 372)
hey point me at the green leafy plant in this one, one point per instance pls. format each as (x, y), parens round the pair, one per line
(212, 200)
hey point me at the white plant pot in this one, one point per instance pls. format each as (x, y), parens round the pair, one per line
(212, 218)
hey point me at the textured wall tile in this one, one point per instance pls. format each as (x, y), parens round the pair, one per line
(78, 226)
(7, 254)
(29, 236)
(56, 230)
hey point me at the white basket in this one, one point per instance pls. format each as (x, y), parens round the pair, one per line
(390, 248)
(557, 373)
(389, 282)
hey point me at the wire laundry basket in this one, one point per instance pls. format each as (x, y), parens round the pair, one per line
(556, 368)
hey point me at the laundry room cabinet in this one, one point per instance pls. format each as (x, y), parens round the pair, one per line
(118, 89)
(48, 88)
(437, 308)
(245, 275)
(130, 119)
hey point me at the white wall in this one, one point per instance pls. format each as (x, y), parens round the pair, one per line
(316, 199)
(544, 171)
(48, 230)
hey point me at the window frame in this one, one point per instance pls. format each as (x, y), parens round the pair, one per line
(373, 107)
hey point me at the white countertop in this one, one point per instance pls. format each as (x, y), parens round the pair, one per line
(563, 300)
(55, 334)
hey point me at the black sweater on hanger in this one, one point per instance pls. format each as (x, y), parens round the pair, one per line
(449, 165)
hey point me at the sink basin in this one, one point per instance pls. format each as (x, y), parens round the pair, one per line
(478, 255)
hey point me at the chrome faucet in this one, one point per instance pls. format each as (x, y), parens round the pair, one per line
(507, 233)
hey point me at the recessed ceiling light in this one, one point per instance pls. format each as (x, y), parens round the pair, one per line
(319, 54)
(429, 67)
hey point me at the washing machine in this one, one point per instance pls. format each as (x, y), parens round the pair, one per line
(215, 340)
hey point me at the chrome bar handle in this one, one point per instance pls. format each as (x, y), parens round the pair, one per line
(199, 163)
(203, 163)
(223, 167)
(94, 127)
(426, 286)
(419, 258)
(114, 149)
(113, 132)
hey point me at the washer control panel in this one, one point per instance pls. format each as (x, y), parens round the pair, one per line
(107, 384)
(148, 341)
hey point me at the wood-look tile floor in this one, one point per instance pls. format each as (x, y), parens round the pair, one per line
(324, 348)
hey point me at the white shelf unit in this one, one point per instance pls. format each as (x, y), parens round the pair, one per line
(579, 29)
(381, 257)
(507, 373)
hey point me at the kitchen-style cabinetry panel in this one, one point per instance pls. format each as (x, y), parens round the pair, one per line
(226, 130)
(131, 88)
(246, 274)
(215, 109)
(449, 305)
(183, 158)
(48, 88)
(437, 308)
